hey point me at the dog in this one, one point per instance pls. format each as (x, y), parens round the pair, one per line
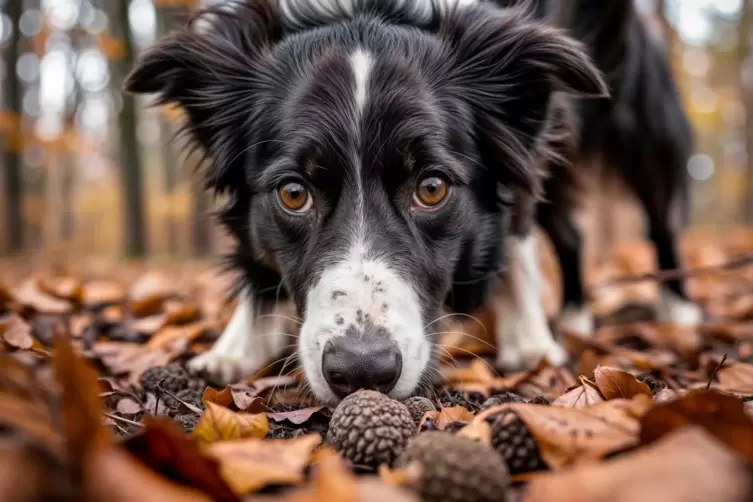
(385, 162)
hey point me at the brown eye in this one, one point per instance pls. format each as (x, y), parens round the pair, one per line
(431, 191)
(295, 197)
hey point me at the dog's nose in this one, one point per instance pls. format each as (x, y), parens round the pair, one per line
(351, 363)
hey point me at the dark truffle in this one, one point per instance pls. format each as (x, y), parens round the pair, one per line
(369, 429)
(513, 441)
(418, 406)
(500, 399)
(456, 469)
(172, 378)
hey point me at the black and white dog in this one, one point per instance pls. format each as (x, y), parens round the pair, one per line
(386, 160)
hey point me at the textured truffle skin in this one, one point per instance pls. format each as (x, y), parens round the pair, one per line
(369, 429)
(512, 440)
(456, 469)
(417, 406)
(173, 377)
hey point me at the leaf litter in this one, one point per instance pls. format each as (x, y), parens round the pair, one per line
(96, 402)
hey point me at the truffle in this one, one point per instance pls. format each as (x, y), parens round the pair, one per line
(456, 469)
(369, 429)
(418, 406)
(500, 399)
(172, 378)
(513, 441)
(187, 422)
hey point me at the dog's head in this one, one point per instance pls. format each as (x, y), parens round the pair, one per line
(371, 151)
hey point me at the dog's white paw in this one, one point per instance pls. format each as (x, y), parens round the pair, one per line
(674, 308)
(524, 341)
(223, 369)
(577, 320)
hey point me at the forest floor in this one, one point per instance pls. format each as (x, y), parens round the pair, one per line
(95, 402)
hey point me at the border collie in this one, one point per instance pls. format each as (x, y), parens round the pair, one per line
(385, 161)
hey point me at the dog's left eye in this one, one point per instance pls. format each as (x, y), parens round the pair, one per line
(430, 192)
(295, 197)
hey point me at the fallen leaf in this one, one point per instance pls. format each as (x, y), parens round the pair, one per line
(167, 450)
(736, 378)
(29, 295)
(478, 371)
(247, 402)
(449, 415)
(479, 431)
(408, 476)
(102, 292)
(149, 325)
(219, 423)
(721, 415)
(223, 398)
(296, 417)
(248, 465)
(615, 383)
(181, 311)
(127, 406)
(16, 333)
(169, 335)
(63, 287)
(130, 359)
(568, 435)
(149, 292)
(582, 396)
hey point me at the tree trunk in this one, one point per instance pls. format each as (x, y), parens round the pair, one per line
(12, 176)
(745, 52)
(130, 151)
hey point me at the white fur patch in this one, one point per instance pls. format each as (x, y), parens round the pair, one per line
(353, 292)
(250, 340)
(673, 308)
(361, 63)
(523, 334)
(577, 319)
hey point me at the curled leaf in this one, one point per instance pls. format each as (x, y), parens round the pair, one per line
(221, 424)
(615, 383)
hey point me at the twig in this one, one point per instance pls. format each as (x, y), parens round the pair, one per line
(678, 273)
(124, 420)
(716, 370)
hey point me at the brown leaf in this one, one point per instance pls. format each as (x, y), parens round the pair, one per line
(149, 292)
(181, 311)
(582, 396)
(102, 292)
(477, 372)
(450, 415)
(223, 398)
(736, 378)
(128, 406)
(615, 383)
(63, 287)
(165, 449)
(721, 415)
(149, 325)
(296, 417)
(169, 335)
(248, 465)
(219, 423)
(686, 466)
(130, 358)
(247, 402)
(408, 476)
(32, 298)
(567, 435)
(80, 405)
(478, 431)
(16, 333)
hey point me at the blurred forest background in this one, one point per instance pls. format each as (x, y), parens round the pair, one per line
(89, 170)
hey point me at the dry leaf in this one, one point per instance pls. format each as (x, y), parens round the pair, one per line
(223, 398)
(219, 423)
(181, 311)
(736, 378)
(721, 415)
(169, 335)
(32, 298)
(686, 466)
(615, 383)
(407, 476)
(128, 406)
(477, 430)
(296, 417)
(447, 416)
(149, 292)
(248, 465)
(16, 333)
(582, 396)
(149, 325)
(167, 450)
(477, 372)
(102, 292)
(63, 287)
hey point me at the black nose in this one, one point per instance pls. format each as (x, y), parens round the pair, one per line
(351, 363)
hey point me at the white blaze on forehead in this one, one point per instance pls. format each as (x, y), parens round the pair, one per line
(361, 62)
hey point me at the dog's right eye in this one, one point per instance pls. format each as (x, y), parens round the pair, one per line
(295, 197)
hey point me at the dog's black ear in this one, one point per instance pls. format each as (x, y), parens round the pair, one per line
(204, 69)
(508, 66)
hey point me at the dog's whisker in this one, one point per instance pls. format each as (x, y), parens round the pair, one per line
(287, 318)
(480, 340)
(473, 318)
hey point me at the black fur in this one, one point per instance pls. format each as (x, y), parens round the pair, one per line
(468, 95)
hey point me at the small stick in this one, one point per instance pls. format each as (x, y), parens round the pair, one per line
(716, 370)
(679, 273)
(124, 420)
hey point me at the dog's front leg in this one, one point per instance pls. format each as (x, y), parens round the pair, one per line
(522, 332)
(255, 334)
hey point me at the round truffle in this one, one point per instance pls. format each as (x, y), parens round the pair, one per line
(456, 469)
(513, 441)
(500, 399)
(369, 429)
(418, 406)
(172, 378)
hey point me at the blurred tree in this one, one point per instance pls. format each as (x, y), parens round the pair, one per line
(13, 144)
(745, 54)
(130, 150)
